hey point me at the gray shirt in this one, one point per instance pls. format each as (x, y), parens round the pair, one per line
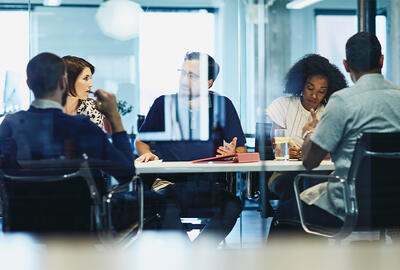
(371, 105)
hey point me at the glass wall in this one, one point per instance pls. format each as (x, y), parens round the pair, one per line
(14, 55)
(247, 38)
(273, 37)
(179, 32)
(73, 30)
(140, 56)
(137, 69)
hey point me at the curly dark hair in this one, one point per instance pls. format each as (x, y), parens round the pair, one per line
(313, 65)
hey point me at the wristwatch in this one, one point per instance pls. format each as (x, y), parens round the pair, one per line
(305, 134)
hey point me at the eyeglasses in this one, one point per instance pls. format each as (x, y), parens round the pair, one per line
(190, 75)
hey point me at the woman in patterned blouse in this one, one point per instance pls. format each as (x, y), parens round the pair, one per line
(79, 84)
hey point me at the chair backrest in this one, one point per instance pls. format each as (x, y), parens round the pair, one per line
(52, 200)
(375, 176)
(263, 141)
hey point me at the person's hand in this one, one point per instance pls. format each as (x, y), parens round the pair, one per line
(295, 152)
(106, 103)
(146, 157)
(228, 148)
(311, 125)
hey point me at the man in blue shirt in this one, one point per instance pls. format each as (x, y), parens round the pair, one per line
(224, 125)
(45, 132)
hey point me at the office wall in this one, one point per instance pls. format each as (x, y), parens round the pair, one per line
(395, 41)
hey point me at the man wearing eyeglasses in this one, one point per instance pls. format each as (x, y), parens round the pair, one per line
(193, 101)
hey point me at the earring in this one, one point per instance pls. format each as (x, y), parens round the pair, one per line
(325, 100)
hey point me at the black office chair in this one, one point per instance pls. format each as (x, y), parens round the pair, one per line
(371, 191)
(61, 197)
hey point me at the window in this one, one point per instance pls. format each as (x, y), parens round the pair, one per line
(164, 39)
(14, 55)
(331, 44)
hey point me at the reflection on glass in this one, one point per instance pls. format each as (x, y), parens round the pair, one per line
(164, 38)
(14, 54)
(185, 113)
(73, 30)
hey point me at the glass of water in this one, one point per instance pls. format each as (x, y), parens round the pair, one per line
(281, 144)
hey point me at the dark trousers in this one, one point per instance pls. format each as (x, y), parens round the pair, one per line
(159, 212)
(282, 185)
(287, 218)
(196, 198)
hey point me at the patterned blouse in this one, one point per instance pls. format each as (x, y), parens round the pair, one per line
(88, 107)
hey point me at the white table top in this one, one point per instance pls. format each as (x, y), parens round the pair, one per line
(188, 167)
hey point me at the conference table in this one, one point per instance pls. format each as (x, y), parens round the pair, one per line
(153, 167)
(158, 166)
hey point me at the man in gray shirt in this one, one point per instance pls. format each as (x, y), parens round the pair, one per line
(372, 104)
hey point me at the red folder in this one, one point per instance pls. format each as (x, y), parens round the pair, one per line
(234, 158)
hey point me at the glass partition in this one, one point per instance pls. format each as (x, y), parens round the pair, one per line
(138, 51)
(14, 55)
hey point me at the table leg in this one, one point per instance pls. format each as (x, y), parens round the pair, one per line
(263, 194)
(239, 179)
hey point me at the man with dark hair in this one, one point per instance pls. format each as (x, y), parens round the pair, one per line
(45, 132)
(197, 75)
(43, 74)
(213, 67)
(370, 105)
(363, 53)
(49, 133)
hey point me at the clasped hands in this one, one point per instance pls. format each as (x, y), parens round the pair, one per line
(294, 149)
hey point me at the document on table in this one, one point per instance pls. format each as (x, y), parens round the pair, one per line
(150, 162)
(155, 161)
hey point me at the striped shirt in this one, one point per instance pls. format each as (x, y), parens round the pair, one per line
(289, 113)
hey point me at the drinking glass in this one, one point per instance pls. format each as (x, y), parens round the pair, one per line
(281, 144)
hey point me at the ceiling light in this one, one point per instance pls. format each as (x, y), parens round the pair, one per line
(299, 4)
(119, 19)
(52, 3)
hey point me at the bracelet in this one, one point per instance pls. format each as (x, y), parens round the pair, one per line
(306, 133)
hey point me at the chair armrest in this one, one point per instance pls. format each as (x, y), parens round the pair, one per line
(126, 239)
(120, 187)
(349, 205)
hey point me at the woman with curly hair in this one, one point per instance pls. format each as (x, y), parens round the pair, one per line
(80, 74)
(309, 83)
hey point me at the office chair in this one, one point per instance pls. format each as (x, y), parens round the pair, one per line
(61, 197)
(371, 190)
